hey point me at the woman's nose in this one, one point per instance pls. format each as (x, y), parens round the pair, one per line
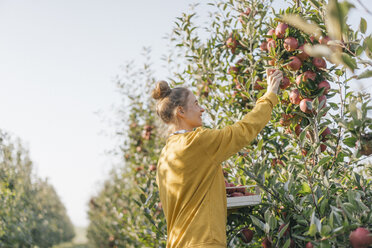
(202, 110)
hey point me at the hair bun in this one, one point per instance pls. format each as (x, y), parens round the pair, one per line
(161, 90)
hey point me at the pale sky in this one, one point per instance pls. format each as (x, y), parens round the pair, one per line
(58, 59)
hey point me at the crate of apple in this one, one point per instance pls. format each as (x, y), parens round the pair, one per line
(238, 196)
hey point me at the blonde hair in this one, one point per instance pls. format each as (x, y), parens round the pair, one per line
(168, 100)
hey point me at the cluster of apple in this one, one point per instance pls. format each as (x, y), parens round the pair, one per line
(285, 48)
(310, 79)
(233, 190)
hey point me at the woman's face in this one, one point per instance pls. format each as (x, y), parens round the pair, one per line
(193, 113)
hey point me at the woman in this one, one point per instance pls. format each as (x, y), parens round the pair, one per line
(189, 174)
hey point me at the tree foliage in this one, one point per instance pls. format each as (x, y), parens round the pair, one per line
(30, 210)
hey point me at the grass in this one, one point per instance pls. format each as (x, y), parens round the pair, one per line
(80, 240)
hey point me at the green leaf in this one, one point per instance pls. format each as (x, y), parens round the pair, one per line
(143, 198)
(312, 230)
(334, 105)
(348, 61)
(287, 243)
(368, 43)
(325, 230)
(259, 145)
(280, 234)
(359, 50)
(365, 74)
(258, 223)
(363, 25)
(350, 142)
(325, 160)
(305, 188)
(315, 3)
(298, 22)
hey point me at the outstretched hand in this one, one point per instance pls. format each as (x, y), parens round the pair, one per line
(274, 77)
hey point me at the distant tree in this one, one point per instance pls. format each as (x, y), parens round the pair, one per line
(31, 213)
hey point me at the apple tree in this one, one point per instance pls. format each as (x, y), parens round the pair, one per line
(30, 209)
(311, 161)
(126, 212)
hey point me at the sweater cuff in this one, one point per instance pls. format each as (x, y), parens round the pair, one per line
(272, 97)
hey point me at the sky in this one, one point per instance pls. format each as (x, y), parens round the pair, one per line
(58, 61)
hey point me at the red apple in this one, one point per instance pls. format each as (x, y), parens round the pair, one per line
(324, 40)
(276, 161)
(232, 44)
(152, 167)
(271, 62)
(302, 55)
(270, 33)
(312, 38)
(323, 147)
(247, 235)
(241, 190)
(263, 46)
(243, 14)
(319, 63)
(233, 70)
(147, 128)
(299, 79)
(325, 85)
(294, 64)
(285, 120)
(230, 191)
(237, 194)
(326, 132)
(266, 243)
(257, 85)
(280, 30)
(271, 44)
(284, 84)
(308, 75)
(309, 245)
(295, 96)
(304, 152)
(360, 238)
(303, 105)
(290, 44)
(248, 193)
(298, 129)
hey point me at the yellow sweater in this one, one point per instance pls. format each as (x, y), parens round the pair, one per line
(191, 182)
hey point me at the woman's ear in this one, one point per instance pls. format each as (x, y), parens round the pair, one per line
(180, 111)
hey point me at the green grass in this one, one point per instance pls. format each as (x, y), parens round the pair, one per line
(80, 240)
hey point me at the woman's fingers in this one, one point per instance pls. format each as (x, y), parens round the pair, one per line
(277, 75)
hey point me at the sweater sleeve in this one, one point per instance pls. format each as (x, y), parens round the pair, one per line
(220, 144)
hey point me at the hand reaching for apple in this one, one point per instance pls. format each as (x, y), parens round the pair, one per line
(274, 77)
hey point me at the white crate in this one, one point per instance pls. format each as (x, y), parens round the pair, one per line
(243, 201)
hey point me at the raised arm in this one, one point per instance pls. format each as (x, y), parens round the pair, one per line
(220, 144)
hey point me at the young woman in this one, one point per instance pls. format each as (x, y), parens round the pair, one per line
(189, 172)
